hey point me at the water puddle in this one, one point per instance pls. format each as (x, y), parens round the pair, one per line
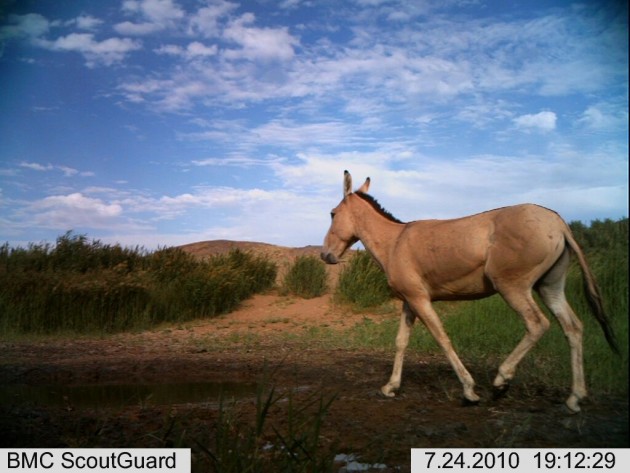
(121, 395)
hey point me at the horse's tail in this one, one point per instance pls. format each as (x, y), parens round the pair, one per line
(592, 292)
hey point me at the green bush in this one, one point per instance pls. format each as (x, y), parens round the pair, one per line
(81, 286)
(306, 278)
(186, 288)
(363, 283)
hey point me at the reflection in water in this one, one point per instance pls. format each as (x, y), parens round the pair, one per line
(119, 395)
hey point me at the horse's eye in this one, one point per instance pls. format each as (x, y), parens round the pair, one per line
(332, 215)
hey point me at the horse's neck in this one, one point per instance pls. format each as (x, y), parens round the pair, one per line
(379, 235)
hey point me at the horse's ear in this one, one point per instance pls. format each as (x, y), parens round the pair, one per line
(347, 183)
(366, 185)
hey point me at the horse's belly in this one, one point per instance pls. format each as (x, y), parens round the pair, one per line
(472, 285)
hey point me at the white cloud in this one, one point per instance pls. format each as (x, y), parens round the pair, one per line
(604, 117)
(72, 211)
(78, 201)
(444, 60)
(575, 183)
(37, 166)
(383, 74)
(159, 11)
(137, 92)
(137, 29)
(171, 49)
(86, 22)
(323, 172)
(8, 172)
(259, 43)
(167, 207)
(411, 186)
(192, 51)
(106, 52)
(217, 196)
(184, 94)
(237, 161)
(198, 49)
(312, 185)
(66, 170)
(301, 135)
(594, 118)
(282, 217)
(34, 27)
(485, 112)
(286, 134)
(543, 121)
(156, 15)
(206, 22)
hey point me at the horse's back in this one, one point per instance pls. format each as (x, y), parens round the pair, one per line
(465, 257)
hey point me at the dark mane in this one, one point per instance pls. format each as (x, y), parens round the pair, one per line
(374, 203)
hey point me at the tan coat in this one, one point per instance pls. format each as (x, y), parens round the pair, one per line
(510, 250)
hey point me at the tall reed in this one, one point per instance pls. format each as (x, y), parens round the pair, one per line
(306, 277)
(82, 286)
(362, 283)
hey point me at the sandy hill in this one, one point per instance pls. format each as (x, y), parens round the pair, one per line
(283, 256)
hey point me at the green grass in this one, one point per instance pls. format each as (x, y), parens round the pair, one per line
(78, 286)
(306, 278)
(362, 283)
(256, 443)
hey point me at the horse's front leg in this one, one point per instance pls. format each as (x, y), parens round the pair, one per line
(402, 340)
(422, 306)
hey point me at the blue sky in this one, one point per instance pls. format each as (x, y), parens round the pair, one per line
(164, 122)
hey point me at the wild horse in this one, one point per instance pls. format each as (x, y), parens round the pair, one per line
(510, 250)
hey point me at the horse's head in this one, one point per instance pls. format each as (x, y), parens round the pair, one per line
(342, 234)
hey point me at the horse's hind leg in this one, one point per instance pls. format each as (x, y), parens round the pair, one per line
(572, 327)
(536, 324)
(402, 340)
(551, 290)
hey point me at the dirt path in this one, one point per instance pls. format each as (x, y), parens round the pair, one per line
(240, 347)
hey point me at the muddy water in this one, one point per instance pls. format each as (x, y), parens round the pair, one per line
(122, 395)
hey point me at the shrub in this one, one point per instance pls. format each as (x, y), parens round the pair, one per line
(306, 278)
(363, 283)
(83, 286)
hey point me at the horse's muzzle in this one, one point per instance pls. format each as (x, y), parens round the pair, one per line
(329, 258)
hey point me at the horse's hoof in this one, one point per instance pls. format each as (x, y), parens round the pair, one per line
(499, 392)
(469, 402)
(388, 392)
(572, 405)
